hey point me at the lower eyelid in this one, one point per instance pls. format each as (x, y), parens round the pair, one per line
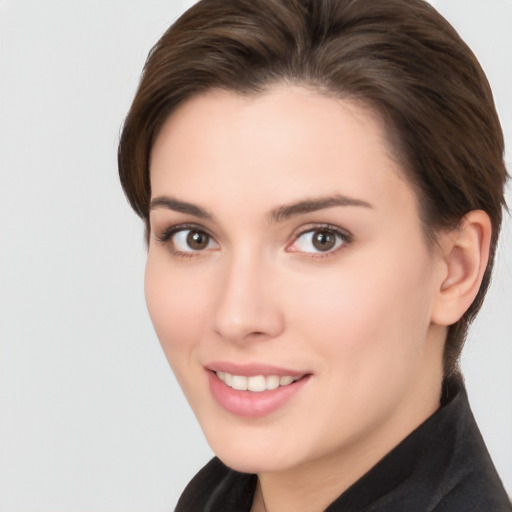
(343, 237)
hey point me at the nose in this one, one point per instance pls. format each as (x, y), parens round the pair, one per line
(247, 307)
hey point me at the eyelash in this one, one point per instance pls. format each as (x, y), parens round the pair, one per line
(166, 236)
(343, 235)
(346, 238)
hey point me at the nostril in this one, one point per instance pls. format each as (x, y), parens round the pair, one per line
(256, 334)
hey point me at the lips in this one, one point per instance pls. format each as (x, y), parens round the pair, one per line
(253, 390)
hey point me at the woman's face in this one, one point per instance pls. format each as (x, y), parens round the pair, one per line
(287, 256)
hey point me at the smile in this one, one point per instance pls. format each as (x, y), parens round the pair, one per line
(261, 391)
(257, 383)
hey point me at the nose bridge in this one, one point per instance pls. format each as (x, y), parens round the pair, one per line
(246, 305)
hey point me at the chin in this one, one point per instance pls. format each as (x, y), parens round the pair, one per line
(252, 454)
(252, 463)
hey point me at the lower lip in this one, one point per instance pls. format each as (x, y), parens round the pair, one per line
(252, 404)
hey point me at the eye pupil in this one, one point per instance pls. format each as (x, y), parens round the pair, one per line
(324, 240)
(197, 240)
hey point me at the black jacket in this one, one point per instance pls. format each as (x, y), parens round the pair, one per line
(443, 466)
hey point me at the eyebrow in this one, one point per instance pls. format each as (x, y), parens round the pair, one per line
(315, 204)
(179, 206)
(279, 214)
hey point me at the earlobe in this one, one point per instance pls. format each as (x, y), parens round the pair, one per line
(465, 255)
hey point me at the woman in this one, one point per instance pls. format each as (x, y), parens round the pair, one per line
(322, 186)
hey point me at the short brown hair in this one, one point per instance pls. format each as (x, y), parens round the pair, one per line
(400, 57)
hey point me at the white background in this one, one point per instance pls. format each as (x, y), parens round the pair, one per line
(91, 417)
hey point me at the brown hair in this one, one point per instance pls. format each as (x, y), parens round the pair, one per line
(400, 57)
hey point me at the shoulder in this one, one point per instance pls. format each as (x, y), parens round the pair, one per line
(470, 481)
(480, 494)
(443, 466)
(217, 488)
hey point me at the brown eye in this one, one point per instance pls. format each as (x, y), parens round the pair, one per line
(197, 240)
(189, 240)
(319, 240)
(323, 240)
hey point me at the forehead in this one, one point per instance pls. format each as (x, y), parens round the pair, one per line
(279, 144)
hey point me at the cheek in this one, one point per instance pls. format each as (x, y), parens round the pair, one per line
(176, 306)
(367, 313)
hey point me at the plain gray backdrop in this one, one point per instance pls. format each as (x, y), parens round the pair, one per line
(91, 416)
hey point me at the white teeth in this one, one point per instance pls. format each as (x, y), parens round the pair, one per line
(256, 383)
(272, 382)
(239, 382)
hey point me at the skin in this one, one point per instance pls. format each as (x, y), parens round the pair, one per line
(366, 320)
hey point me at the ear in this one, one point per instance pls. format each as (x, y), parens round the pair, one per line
(465, 252)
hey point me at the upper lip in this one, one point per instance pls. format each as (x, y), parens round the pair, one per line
(253, 369)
